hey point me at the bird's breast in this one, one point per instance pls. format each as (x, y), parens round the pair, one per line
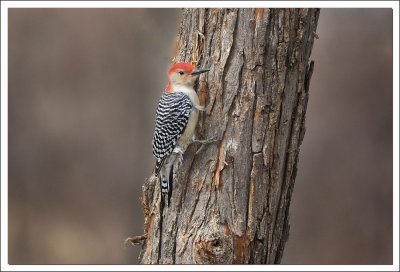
(187, 135)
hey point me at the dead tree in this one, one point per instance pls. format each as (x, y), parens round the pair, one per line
(230, 201)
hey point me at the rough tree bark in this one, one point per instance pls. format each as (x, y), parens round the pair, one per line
(230, 202)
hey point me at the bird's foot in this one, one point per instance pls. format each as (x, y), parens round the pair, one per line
(179, 154)
(203, 143)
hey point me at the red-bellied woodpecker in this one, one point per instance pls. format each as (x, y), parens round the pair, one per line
(176, 120)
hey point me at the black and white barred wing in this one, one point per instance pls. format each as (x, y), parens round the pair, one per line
(171, 119)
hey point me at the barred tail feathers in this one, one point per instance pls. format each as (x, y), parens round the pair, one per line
(164, 186)
(159, 165)
(166, 181)
(171, 174)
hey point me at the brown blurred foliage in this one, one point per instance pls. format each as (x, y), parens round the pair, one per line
(83, 88)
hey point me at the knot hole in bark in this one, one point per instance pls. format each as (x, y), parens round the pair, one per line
(213, 248)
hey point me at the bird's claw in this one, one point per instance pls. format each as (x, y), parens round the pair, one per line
(180, 159)
(204, 142)
(179, 154)
(208, 141)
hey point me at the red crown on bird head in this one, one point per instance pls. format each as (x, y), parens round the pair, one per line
(185, 66)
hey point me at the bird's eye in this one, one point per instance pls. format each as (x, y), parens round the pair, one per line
(181, 73)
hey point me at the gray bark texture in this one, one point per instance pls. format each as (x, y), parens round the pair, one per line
(230, 202)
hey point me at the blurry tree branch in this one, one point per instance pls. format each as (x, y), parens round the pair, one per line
(230, 202)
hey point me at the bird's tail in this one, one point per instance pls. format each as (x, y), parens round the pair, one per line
(159, 164)
(166, 185)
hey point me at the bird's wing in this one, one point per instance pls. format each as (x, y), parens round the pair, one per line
(171, 119)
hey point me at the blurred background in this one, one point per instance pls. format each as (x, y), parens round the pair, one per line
(81, 119)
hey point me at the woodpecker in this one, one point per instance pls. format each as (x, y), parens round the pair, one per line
(176, 118)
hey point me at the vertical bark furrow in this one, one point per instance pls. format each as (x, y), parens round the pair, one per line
(231, 201)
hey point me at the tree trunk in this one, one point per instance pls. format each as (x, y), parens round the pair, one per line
(230, 202)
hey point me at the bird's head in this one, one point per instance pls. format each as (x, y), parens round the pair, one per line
(183, 73)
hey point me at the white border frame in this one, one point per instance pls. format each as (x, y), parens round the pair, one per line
(5, 5)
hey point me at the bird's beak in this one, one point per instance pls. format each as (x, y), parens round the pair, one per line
(199, 71)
